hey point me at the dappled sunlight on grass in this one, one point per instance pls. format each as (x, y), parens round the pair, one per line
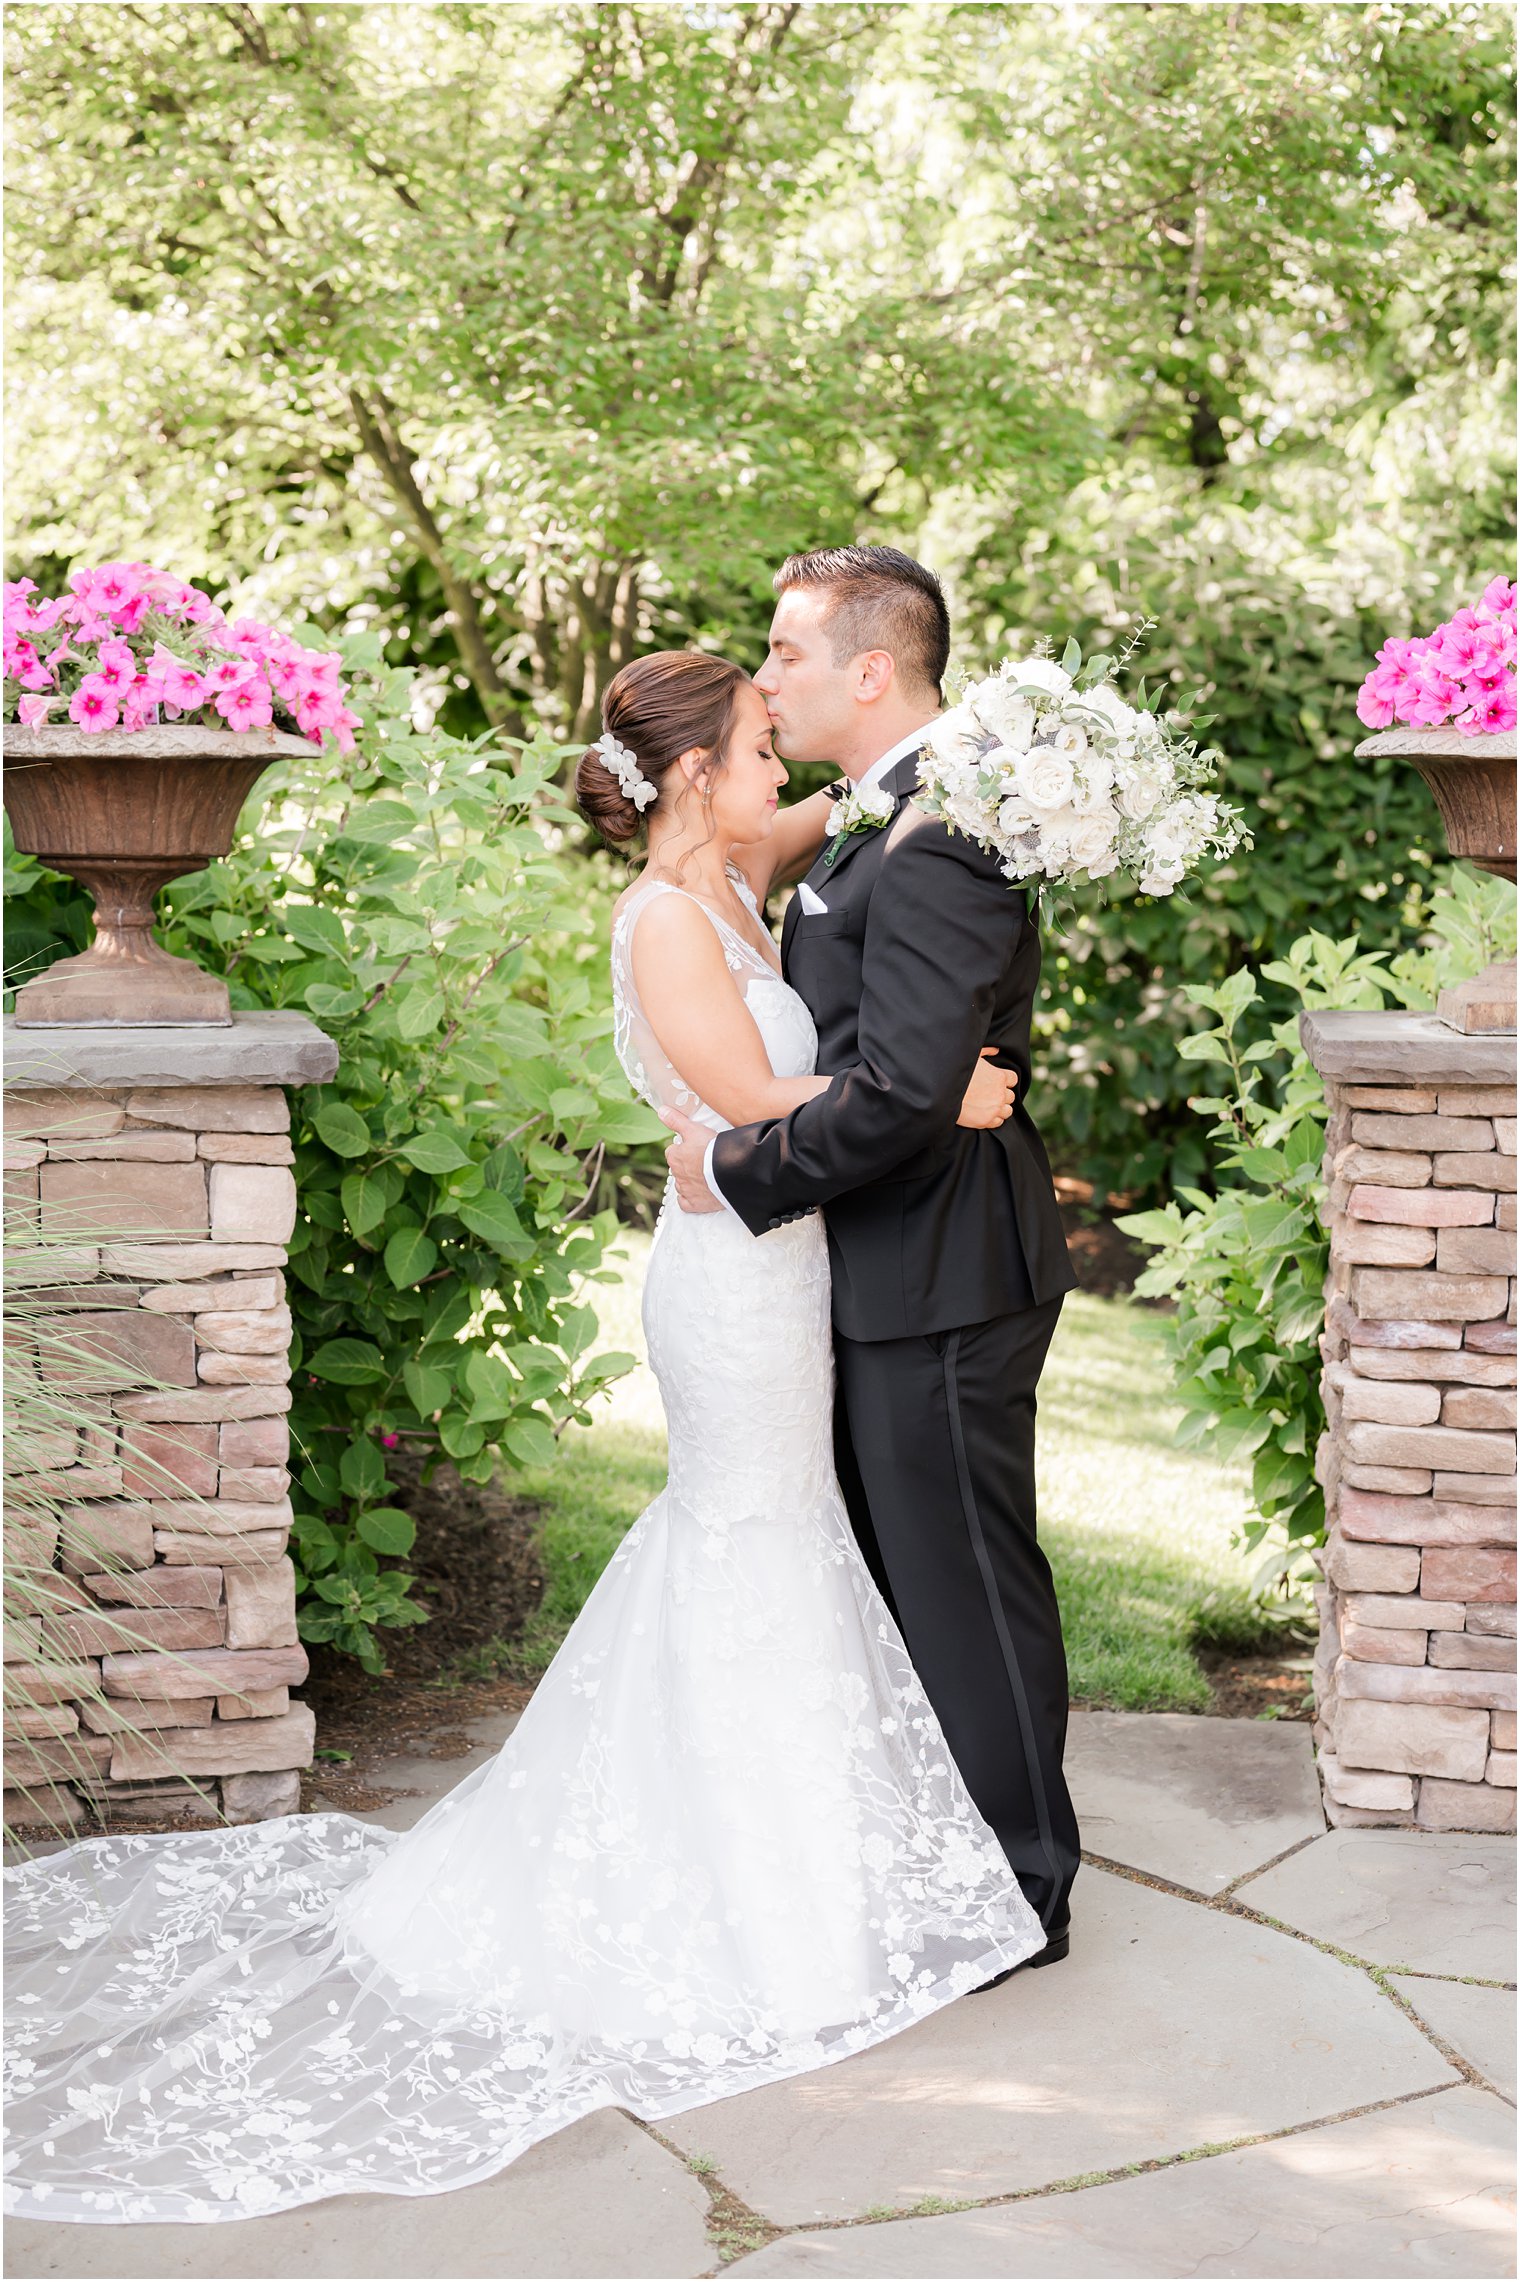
(1138, 1533)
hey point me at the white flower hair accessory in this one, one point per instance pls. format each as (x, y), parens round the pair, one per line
(624, 766)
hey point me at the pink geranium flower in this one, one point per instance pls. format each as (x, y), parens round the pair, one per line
(93, 705)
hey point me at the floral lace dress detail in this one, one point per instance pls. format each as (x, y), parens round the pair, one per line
(725, 1844)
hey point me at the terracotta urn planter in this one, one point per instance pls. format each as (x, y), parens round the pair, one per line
(125, 812)
(1472, 780)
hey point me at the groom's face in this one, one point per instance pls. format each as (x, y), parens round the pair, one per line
(813, 703)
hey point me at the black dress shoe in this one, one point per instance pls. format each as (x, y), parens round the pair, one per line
(1057, 1946)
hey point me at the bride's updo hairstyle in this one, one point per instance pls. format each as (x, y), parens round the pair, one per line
(657, 708)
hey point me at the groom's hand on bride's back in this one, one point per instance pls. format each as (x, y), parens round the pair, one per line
(686, 1156)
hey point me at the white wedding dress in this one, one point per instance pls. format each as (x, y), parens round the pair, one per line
(725, 1843)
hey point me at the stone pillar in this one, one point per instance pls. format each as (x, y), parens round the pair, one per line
(151, 1671)
(1415, 1676)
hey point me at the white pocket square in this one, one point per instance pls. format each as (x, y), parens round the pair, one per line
(811, 901)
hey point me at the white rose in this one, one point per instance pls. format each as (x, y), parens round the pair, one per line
(954, 740)
(1092, 838)
(1040, 673)
(1109, 706)
(1016, 818)
(870, 800)
(1005, 715)
(1094, 784)
(1146, 785)
(1069, 739)
(1005, 762)
(1046, 777)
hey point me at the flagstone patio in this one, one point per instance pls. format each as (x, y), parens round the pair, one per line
(1276, 2050)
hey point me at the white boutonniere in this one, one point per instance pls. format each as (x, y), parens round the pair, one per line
(864, 808)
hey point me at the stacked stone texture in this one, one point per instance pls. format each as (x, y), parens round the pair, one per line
(152, 1669)
(1415, 1675)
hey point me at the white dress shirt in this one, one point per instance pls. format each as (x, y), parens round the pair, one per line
(872, 778)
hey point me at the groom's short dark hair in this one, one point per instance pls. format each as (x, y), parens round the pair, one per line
(878, 599)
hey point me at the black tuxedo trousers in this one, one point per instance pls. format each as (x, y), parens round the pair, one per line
(934, 1447)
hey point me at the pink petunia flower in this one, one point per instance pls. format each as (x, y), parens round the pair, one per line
(33, 711)
(246, 704)
(181, 688)
(110, 588)
(116, 665)
(93, 706)
(1494, 717)
(140, 705)
(344, 726)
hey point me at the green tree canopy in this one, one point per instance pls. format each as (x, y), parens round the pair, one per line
(530, 337)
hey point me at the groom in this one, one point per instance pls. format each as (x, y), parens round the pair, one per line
(911, 952)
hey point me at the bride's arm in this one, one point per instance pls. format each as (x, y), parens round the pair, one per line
(799, 833)
(697, 1012)
(703, 1027)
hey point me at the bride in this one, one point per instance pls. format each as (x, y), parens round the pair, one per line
(726, 1842)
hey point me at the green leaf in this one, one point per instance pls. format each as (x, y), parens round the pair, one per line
(409, 1256)
(367, 1197)
(492, 1215)
(313, 927)
(348, 1362)
(420, 1012)
(530, 1442)
(329, 1002)
(361, 1469)
(428, 1388)
(387, 1529)
(434, 1151)
(385, 820)
(461, 1437)
(343, 1129)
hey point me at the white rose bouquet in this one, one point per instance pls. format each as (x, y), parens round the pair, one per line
(1051, 770)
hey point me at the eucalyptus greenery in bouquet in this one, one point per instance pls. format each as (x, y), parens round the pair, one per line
(1047, 767)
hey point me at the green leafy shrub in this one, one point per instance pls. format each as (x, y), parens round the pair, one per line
(1246, 1265)
(413, 900)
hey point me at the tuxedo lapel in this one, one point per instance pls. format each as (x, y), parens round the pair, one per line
(899, 781)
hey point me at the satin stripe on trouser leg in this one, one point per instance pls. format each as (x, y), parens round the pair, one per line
(936, 1441)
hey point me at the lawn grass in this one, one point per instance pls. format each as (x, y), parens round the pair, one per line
(1138, 1532)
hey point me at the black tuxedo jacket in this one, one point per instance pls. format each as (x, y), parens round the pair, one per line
(925, 955)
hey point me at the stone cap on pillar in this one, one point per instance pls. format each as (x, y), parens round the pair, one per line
(267, 1048)
(1392, 1047)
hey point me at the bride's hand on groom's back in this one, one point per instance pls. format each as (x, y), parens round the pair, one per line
(988, 1099)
